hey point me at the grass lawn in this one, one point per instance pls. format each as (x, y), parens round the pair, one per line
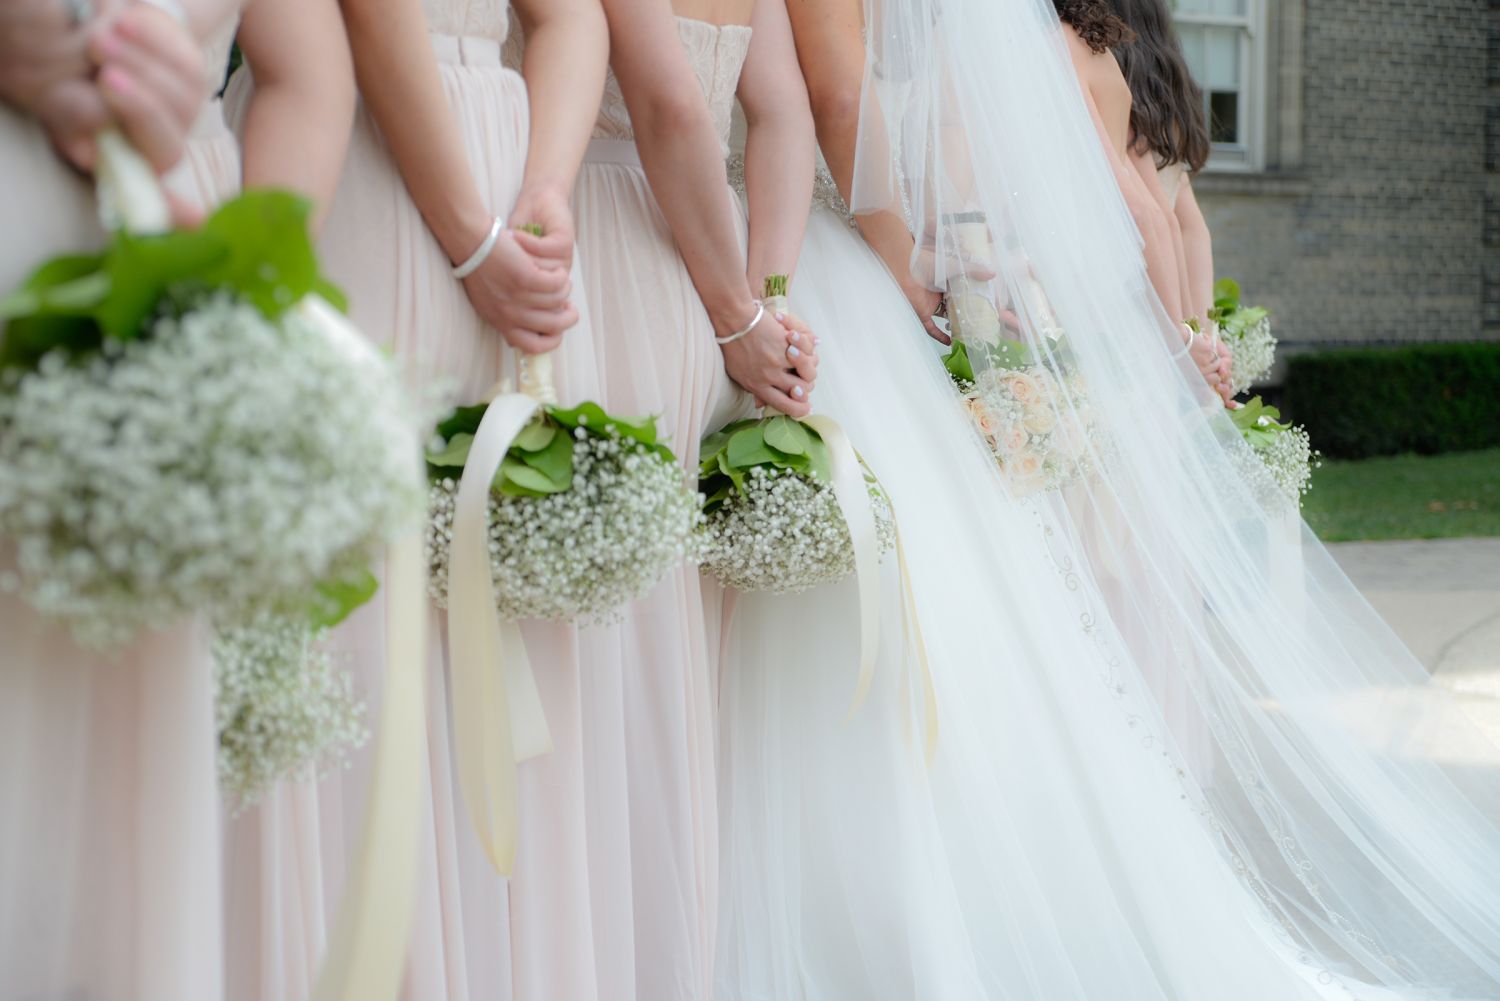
(1406, 497)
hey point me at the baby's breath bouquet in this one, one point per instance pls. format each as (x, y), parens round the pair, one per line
(1285, 453)
(187, 427)
(587, 512)
(773, 520)
(1032, 412)
(1247, 331)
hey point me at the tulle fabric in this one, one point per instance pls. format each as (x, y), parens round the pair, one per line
(109, 842)
(1356, 802)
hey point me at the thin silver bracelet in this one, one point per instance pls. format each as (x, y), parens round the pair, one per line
(477, 258)
(760, 314)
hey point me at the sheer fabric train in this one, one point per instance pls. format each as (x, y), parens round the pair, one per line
(1179, 757)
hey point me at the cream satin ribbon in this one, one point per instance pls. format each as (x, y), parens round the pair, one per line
(498, 719)
(368, 945)
(853, 497)
(913, 625)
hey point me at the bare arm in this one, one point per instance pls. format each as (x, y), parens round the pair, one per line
(1197, 243)
(779, 140)
(296, 128)
(567, 49)
(685, 167)
(831, 47)
(1144, 165)
(399, 82)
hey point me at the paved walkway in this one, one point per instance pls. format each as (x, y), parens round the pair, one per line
(1442, 596)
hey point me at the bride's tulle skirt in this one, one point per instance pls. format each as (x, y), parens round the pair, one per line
(1055, 847)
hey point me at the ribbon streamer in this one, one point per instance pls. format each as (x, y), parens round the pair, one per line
(853, 497)
(497, 719)
(368, 946)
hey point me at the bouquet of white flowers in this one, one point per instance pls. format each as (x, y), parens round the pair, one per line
(188, 427)
(773, 519)
(586, 513)
(1285, 453)
(1247, 331)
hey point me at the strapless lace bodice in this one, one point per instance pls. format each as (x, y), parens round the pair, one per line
(474, 18)
(717, 53)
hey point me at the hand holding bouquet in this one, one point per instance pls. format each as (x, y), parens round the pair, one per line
(774, 520)
(1247, 331)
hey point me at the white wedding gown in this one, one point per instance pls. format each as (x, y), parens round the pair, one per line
(1059, 845)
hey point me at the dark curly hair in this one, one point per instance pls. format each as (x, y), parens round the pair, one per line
(1099, 27)
(1166, 114)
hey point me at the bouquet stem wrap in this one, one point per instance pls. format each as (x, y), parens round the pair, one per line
(498, 720)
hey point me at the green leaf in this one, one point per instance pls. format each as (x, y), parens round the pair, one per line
(336, 599)
(820, 461)
(1228, 291)
(537, 435)
(516, 479)
(141, 269)
(463, 420)
(271, 262)
(64, 284)
(453, 454)
(786, 435)
(748, 449)
(555, 461)
(958, 364)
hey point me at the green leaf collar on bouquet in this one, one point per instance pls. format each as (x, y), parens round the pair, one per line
(256, 246)
(776, 442)
(1257, 422)
(1232, 316)
(540, 459)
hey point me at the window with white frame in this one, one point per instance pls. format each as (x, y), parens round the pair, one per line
(1223, 42)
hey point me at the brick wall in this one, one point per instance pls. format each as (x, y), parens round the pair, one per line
(1388, 229)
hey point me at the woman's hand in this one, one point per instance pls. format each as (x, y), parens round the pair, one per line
(776, 362)
(545, 207)
(152, 79)
(925, 302)
(523, 297)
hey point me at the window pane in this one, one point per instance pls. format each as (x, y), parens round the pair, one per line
(1223, 116)
(1213, 55)
(1219, 8)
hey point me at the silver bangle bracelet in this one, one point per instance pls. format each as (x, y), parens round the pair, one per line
(484, 250)
(760, 314)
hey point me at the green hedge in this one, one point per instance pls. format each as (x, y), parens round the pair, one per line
(1383, 401)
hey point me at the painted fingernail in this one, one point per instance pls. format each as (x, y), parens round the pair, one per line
(797, 392)
(792, 352)
(796, 337)
(117, 80)
(780, 317)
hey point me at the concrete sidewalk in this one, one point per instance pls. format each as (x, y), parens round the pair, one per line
(1442, 596)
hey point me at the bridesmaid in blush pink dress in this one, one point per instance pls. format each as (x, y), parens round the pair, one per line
(662, 277)
(444, 144)
(298, 120)
(109, 853)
